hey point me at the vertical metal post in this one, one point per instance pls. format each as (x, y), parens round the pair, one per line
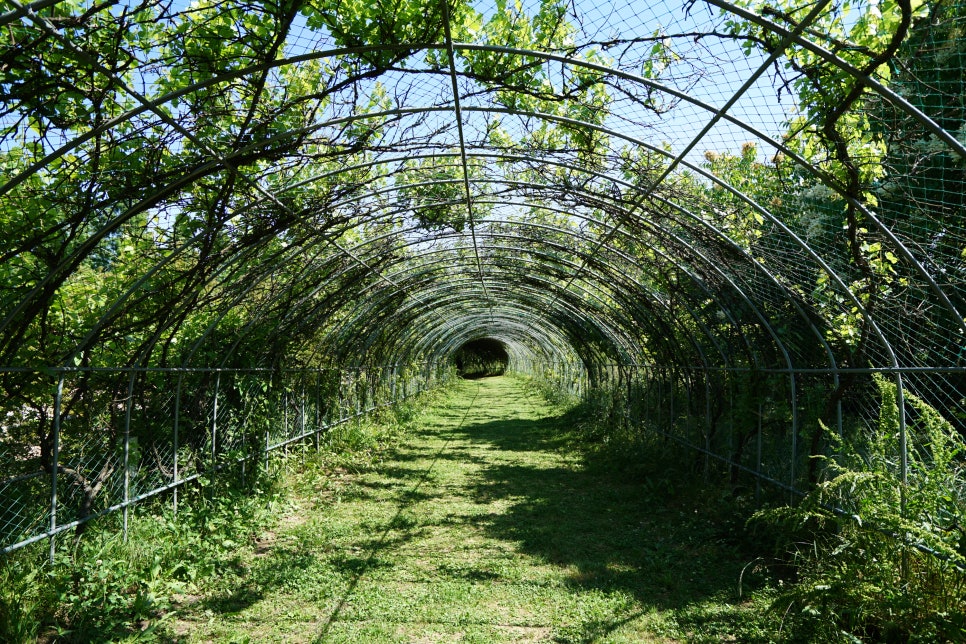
(838, 408)
(903, 446)
(758, 457)
(358, 398)
(302, 422)
(903, 464)
(127, 448)
(731, 416)
(630, 394)
(177, 419)
(707, 424)
(670, 411)
(318, 407)
(266, 452)
(793, 385)
(689, 412)
(55, 465)
(214, 433)
(243, 431)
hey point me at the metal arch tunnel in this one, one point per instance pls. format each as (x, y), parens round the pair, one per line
(622, 209)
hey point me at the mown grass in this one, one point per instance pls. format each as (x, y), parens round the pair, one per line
(484, 523)
(484, 517)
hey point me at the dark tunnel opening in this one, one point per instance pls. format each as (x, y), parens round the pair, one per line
(481, 358)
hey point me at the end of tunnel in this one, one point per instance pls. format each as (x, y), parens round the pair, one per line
(481, 358)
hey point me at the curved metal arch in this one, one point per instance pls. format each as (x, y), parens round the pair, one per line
(415, 343)
(647, 223)
(658, 333)
(443, 294)
(618, 181)
(796, 240)
(445, 340)
(459, 329)
(784, 33)
(886, 343)
(697, 169)
(364, 314)
(225, 158)
(503, 182)
(604, 175)
(614, 269)
(411, 345)
(734, 322)
(597, 319)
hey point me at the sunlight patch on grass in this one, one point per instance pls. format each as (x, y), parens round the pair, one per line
(477, 525)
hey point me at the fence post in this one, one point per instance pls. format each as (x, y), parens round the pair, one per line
(731, 424)
(214, 435)
(127, 448)
(318, 410)
(660, 401)
(177, 419)
(707, 424)
(794, 400)
(239, 382)
(689, 402)
(670, 412)
(266, 452)
(903, 464)
(55, 465)
(358, 396)
(302, 422)
(758, 457)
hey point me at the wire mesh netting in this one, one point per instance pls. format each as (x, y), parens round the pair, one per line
(741, 221)
(160, 429)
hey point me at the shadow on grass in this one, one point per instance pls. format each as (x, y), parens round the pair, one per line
(626, 525)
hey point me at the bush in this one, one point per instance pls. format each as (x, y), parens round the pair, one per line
(877, 560)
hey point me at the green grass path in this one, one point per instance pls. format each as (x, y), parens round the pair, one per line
(479, 526)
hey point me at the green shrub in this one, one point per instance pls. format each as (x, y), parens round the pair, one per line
(875, 559)
(103, 588)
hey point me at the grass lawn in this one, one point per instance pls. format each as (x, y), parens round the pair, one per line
(481, 524)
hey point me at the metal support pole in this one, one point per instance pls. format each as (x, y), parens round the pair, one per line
(214, 433)
(302, 423)
(689, 413)
(177, 419)
(630, 402)
(244, 443)
(266, 452)
(355, 390)
(55, 466)
(707, 424)
(127, 449)
(903, 466)
(660, 402)
(903, 446)
(318, 408)
(758, 456)
(731, 420)
(671, 419)
(793, 385)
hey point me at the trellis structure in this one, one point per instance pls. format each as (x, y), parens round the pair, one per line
(229, 226)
